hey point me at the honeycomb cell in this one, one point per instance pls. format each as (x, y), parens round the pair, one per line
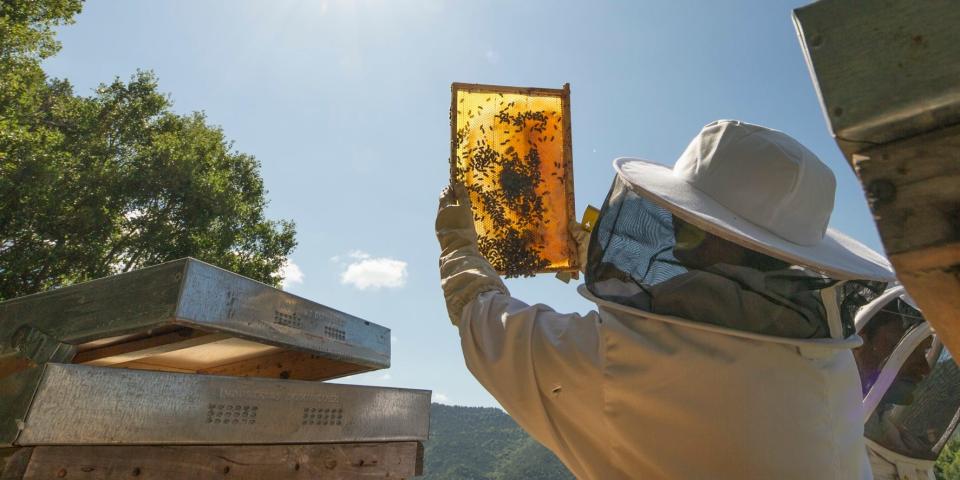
(510, 147)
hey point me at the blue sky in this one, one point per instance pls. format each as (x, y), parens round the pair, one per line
(345, 103)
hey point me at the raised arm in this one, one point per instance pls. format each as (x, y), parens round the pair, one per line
(464, 273)
(539, 364)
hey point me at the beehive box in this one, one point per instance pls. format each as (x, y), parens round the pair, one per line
(511, 148)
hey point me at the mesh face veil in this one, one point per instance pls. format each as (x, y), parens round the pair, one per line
(643, 256)
(911, 383)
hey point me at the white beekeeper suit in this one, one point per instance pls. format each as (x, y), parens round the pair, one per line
(685, 372)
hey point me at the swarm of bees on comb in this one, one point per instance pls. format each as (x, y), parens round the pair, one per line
(510, 149)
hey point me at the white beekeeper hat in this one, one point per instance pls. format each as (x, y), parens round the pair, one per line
(759, 188)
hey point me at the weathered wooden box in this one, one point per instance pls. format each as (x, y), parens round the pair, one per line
(84, 405)
(884, 69)
(888, 76)
(183, 316)
(166, 371)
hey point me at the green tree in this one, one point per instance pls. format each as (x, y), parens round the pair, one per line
(96, 185)
(948, 465)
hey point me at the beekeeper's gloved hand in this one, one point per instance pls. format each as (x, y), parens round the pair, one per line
(464, 273)
(582, 237)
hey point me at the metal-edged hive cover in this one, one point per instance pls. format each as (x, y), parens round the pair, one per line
(189, 316)
(511, 149)
(79, 404)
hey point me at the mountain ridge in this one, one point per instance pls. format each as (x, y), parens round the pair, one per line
(484, 443)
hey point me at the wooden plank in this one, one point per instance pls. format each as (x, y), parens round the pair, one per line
(568, 168)
(913, 186)
(287, 364)
(932, 276)
(221, 349)
(884, 69)
(254, 462)
(11, 365)
(146, 347)
(13, 462)
(531, 91)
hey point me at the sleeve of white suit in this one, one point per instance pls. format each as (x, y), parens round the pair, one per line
(536, 362)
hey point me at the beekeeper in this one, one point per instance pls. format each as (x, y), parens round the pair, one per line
(721, 344)
(911, 388)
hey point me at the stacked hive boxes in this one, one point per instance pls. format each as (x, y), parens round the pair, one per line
(185, 354)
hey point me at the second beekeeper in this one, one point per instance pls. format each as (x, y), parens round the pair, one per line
(721, 344)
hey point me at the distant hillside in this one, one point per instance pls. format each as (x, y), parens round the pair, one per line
(471, 443)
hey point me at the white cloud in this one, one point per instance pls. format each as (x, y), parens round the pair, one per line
(492, 56)
(354, 254)
(292, 275)
(393, 339)
(386, 376)
(358, 255)
(374, 273)
(440, 398)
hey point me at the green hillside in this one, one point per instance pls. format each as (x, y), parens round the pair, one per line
(471, 443)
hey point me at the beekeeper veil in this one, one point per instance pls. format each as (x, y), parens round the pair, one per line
(910, 381)
(734, 235)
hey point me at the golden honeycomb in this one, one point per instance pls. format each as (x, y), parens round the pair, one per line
(511, 150)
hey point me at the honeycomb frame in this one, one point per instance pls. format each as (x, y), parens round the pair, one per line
(516, 160)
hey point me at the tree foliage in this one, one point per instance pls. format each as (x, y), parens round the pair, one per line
(948, 465)
(102, 184)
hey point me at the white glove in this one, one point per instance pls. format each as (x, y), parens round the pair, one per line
(464, 273)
